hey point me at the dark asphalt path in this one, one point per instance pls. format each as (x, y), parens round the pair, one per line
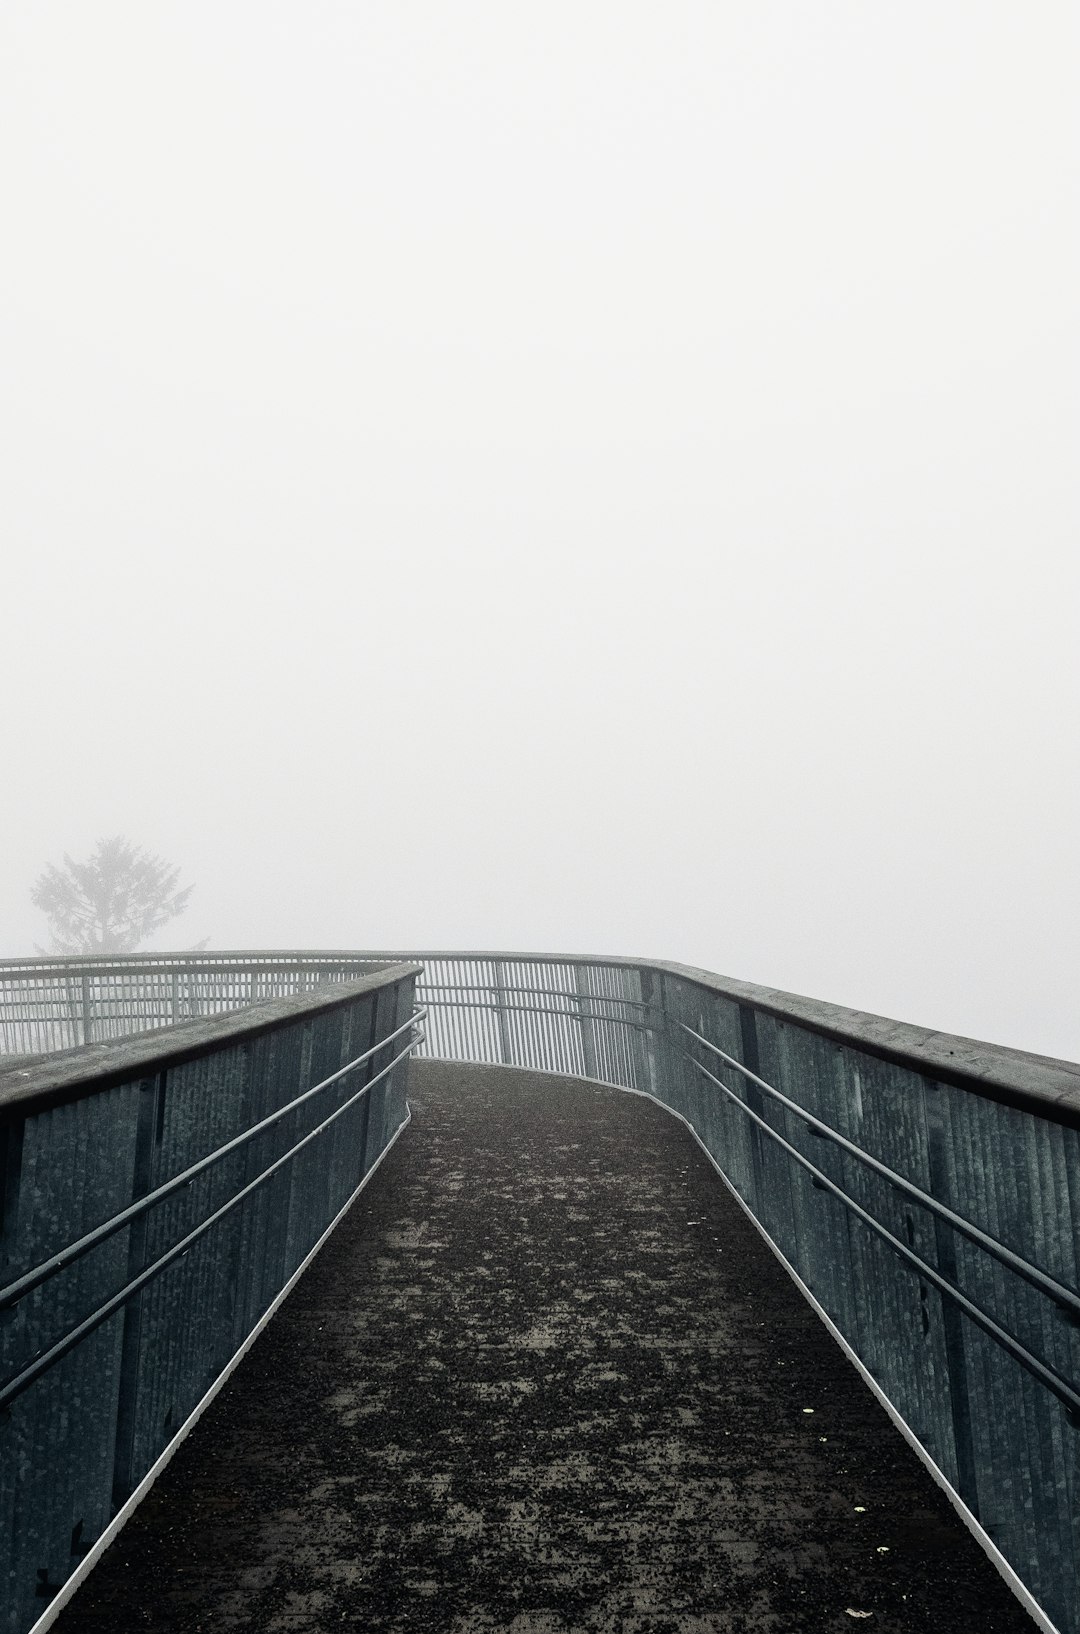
(545, 1377)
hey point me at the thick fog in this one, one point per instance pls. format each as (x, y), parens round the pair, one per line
(587, 477)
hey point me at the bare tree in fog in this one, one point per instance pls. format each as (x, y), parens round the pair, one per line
(110, 903)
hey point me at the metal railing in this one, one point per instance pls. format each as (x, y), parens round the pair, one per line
(923, 1189)
(61, 1004)
(159, 1197)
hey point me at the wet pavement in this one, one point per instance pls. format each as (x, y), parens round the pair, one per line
(545, 1377)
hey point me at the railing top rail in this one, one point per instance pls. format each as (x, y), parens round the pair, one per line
(71, 1074)
(107, 964)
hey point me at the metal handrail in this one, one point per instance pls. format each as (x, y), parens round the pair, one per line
(578, 1013)
(491, 990)
(240, 958)
(73, 1251)
(41, 1364)
(1046, 1375)
(1059, 1292)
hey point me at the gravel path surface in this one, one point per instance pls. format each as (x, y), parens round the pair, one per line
(545, 1377)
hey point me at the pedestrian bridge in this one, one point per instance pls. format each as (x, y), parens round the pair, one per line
(564, 1361)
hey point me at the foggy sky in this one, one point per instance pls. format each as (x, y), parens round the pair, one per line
(593, 477)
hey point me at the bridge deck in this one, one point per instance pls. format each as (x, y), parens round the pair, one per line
(545, 1377)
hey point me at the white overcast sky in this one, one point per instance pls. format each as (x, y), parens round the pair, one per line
(588, 476)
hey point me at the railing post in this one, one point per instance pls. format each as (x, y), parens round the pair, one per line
(652, 1004)
(87, 1014)
(585, 1020)
(126, 1475)
(505, 1045)
(754, 1099)
(951, 1319)
(659, 1048)
(369, 1072)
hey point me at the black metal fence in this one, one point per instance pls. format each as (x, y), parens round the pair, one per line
(923, 1189)
(158, 1199)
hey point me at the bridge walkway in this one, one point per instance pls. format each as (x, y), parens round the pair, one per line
(545, 1377)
